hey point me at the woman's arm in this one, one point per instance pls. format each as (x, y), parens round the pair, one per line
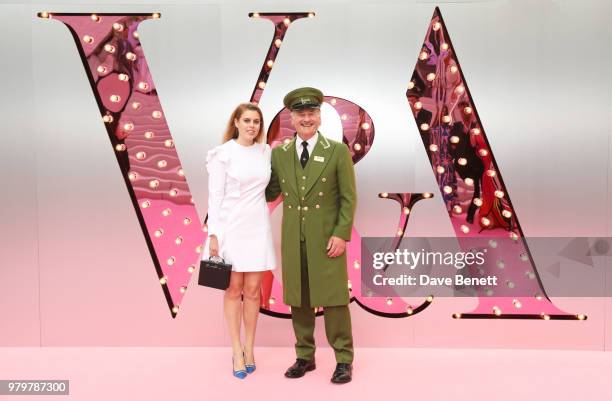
(273, 189)
(216, 166)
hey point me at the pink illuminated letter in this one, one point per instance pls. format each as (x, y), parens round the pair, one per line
(358, 135)
(471, 185)
(117, 70)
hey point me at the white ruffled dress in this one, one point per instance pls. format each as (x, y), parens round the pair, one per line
(237, 210)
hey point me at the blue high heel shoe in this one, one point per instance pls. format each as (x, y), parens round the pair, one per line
(241, 374)
(249, 368)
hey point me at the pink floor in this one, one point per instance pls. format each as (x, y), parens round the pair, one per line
(178, 374)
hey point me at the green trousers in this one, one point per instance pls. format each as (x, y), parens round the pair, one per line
(337, 323)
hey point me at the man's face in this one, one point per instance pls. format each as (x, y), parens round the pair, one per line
(306, 122)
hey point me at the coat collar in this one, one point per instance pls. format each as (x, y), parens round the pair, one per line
(319, 158)
(288, 163)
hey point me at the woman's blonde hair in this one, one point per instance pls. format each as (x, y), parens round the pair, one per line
(231, 132)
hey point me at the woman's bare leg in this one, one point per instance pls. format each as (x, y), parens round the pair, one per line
(233, 308)
(251, 302)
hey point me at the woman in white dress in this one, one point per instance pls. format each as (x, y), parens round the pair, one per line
(239, 228)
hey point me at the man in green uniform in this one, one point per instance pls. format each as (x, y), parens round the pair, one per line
(316, 179)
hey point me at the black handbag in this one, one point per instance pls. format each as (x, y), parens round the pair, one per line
(215, 273)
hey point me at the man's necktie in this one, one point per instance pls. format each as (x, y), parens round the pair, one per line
(304, 156)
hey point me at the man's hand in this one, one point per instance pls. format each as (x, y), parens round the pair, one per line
(335, 246)
(213, 246)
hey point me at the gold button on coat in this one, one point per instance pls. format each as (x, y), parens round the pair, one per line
(305, 208)
(303, 188)
(324, 179)
(317, 206)
(303, 177)
(320, 193)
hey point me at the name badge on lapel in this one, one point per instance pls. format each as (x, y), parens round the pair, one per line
(319, 159)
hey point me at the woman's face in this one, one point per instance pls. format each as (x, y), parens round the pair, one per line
(248, 125)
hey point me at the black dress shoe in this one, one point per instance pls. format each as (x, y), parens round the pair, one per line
(299, 368)
(343, 373)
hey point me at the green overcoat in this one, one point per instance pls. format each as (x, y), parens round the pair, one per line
(317, 204)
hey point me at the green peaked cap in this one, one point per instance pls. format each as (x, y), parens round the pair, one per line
(303, 98)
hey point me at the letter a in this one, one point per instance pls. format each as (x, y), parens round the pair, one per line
(471, 185)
